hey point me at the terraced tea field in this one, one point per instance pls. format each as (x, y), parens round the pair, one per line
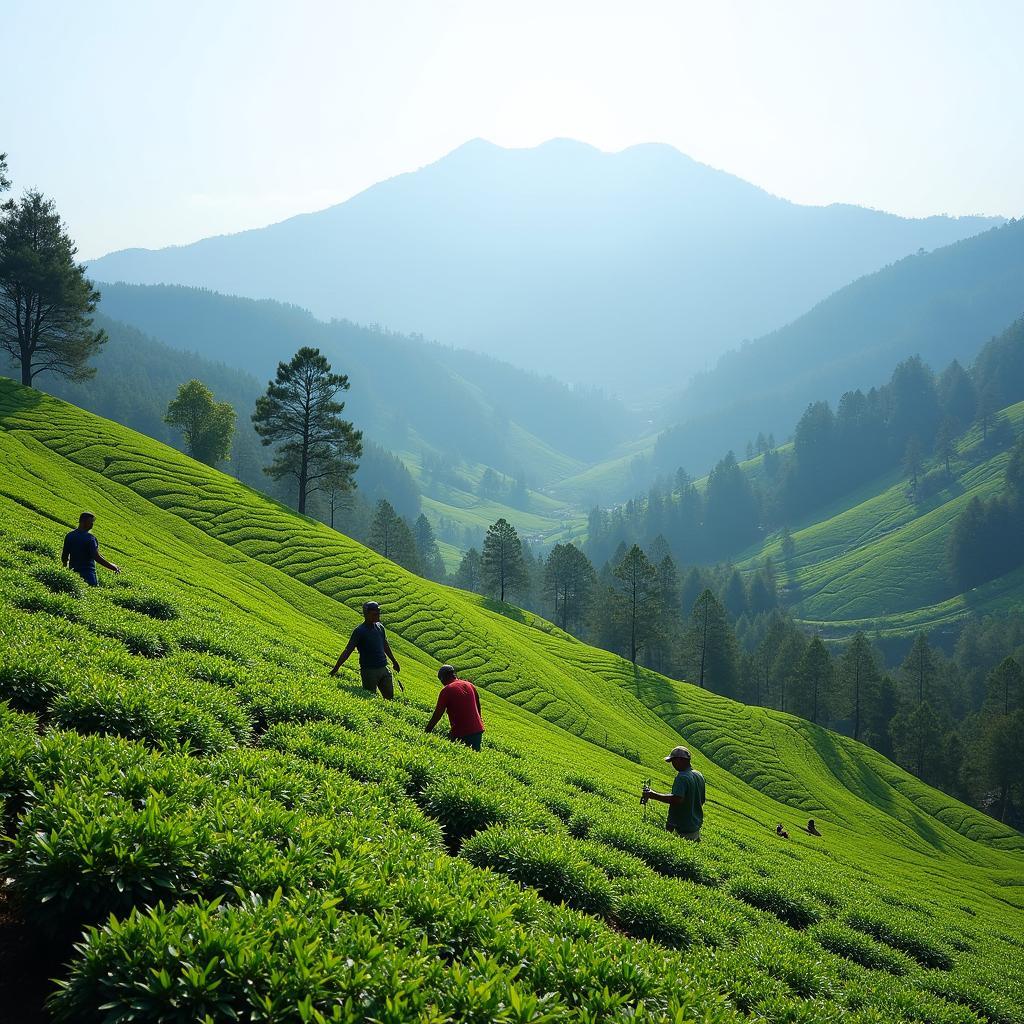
(243, 838)
(878, 560)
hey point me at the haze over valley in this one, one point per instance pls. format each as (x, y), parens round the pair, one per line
(557, 259)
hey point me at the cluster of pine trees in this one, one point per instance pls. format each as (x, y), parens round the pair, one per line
(913, 418)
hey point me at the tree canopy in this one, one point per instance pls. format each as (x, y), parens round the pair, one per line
(208, 426)
(46, 301)
(300, 413)
(502, 568)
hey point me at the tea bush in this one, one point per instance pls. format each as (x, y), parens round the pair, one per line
(924, 950)
(149, 605)
(854, 946)
(58, 580)
(44, 601)
(546, 863)
(787, 905)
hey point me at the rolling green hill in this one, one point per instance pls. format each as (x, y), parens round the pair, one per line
(877, 560)
(275, 845)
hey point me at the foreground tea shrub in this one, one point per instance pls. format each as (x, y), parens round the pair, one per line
(660, 850)
(786, 904)
(148, 604)
(916, 944)
(59, 580)
(547, 863)
(852, 945)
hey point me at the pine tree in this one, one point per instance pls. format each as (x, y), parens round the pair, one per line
(919, 669)
(710, 646)
(427, 550)
(945, 447)
(1002, 756)
(468, 576)
(735, 595)
(815, 674)
(917, 737)
(1005, 688)
(859, 675)
(384, 529)
(501, 561)
(300, 414)
(638, 580)
(568, 583)
(46, 301)
(912, 462)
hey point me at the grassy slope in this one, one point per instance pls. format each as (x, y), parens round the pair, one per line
(224, 550)
(877, 559)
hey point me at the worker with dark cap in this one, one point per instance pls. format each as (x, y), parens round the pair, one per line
(371, 640)
(459, 697)
(686, 801)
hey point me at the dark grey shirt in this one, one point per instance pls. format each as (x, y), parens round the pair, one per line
(80, 547)
(369, 642)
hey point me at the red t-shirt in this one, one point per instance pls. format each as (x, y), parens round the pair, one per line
(458, 698)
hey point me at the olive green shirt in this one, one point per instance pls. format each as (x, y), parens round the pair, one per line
(687, 816)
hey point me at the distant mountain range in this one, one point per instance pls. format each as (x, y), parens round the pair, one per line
(627, 271)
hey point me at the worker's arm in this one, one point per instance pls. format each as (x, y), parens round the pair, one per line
(477, 694)
(104, 562)
(662, 798)
(438, 712)
(387, 651)
(343, 657)
(65, 556)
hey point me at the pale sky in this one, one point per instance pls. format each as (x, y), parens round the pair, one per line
(159, 123)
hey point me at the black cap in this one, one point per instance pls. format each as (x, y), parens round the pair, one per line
(370, 606)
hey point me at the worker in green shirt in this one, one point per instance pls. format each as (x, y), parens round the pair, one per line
(686, 801)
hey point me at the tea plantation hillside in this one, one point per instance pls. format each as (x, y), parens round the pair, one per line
(878, 560)
(243, 838)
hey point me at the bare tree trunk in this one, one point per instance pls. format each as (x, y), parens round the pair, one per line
(704, 645)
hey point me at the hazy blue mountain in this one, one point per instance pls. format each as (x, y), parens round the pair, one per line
(406, 393)
(627, 271)
(941, 305)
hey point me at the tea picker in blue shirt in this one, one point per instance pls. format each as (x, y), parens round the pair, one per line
(82, 551)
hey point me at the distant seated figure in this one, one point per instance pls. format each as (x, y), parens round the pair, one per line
(812, 829)
(781, 832)
(82, 551)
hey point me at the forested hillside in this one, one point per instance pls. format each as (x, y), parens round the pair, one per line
(941, 305)
(920, 426)
(625, 270)
(239, 835)
(407, 393)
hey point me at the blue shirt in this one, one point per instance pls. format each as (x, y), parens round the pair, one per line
(368, 639)
(80, 547)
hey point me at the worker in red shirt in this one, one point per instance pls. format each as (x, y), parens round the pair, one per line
(462, 702)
